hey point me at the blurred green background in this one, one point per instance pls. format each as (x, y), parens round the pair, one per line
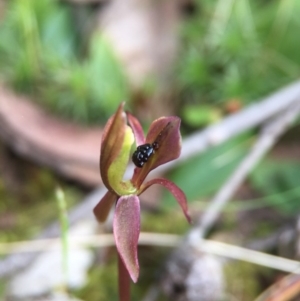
(230, 54)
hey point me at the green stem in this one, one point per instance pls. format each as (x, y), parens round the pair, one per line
(124, 281)
(64, 225)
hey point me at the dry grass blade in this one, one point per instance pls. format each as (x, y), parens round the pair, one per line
(160, 240)
(284, 290)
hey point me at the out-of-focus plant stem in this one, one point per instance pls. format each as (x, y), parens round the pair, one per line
(64, 224)
(124, 281)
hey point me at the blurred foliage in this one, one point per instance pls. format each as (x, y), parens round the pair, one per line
(241, 280)
(273, 178)
(163, 222)
(238, 50)
(3, 285)
(231, 50)
(35, 197)
(103, 282)
(203, 175)
(200, 115)
(277, 182)
(284, 196)
(103, 279)
(39, 54)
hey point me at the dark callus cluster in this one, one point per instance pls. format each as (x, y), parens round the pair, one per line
(142, 154)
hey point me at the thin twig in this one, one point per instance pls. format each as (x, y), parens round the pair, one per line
(161, 240)
(240, 122)
(259, 258)
(269, 136)
(100, 241)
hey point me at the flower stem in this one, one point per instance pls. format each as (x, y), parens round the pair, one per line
(124, 281)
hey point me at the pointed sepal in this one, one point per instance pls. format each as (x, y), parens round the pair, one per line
(102, 209)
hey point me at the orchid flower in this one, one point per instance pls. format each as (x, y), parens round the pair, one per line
(117, 140)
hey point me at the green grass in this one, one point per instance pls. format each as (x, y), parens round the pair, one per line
(231, 49)
(238, 50)
(40, 54)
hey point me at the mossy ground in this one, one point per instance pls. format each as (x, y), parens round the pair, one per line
(27, 197)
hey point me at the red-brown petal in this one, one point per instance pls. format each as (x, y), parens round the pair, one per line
(126, 226)
(137, 129)
(111, 143)
(174, 189)
(165, 132)
(102, 209)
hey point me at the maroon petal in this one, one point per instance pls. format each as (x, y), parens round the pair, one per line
(126, 227)
(111, 143)
(174, 189)
(102, 209)
(137, 129)
(164, 132)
